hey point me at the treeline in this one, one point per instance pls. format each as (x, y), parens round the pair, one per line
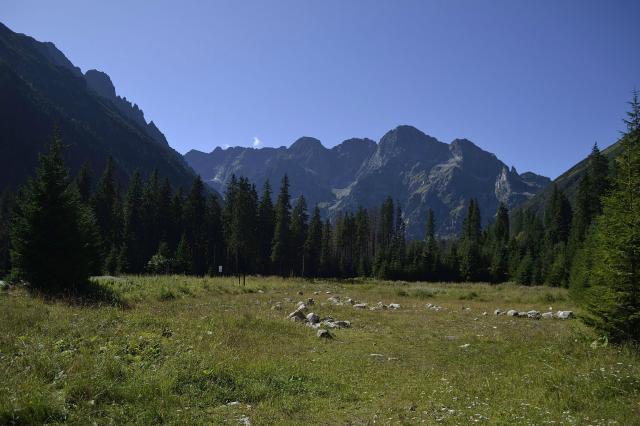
(57, 231)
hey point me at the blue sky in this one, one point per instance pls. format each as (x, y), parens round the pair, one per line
(535, 82)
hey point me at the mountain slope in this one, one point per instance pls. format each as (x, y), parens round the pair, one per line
(417, 170)
(568, 182)
(40, 88)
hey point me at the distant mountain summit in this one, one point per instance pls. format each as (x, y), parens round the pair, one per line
(41, 88)
(415, 169)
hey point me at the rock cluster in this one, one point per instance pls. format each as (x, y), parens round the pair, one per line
(314, 320)
(535, 314)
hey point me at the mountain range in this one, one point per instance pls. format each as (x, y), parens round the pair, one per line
(41, 89)
(417, 170)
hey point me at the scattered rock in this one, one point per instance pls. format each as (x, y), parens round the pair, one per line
(301, 305)
(324, 334)
(547, 315)
(300, 293)
(512, 313)
(343, 324)
(297, 315)
(360, 306)
(377, 355)
(534, 315)
(4, 285)
(261, 291)
(378, 307)
(244, 421)
(522, 314)
(335, 300)
(277, 307)
(394, 306)
(498, 312)
(313, 318)
(564, 314)
(310, 302)
(327, 292)
(316, 293)
(484, 314)
(466, 345)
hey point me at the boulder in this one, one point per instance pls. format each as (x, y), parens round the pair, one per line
(324, 334)
(522, 314)
(360, 306)
(378, 307)
(301, 305)
(547, 315)
(343, 324)
(335, 300)
(564, 314)
(512, 313)
(313, 318)
(297, 315)
(534, 315)
(394, 306)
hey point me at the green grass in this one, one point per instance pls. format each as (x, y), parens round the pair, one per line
(178, 350)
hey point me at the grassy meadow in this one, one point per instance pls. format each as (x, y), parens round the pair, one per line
(182, 350)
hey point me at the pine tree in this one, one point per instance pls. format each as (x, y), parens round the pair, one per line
(131, 257)
(184, 256)
(281, 244)
(327, 268)
(313, 245)
(6, 214)
(470, 259)
(242, 220)
(499, 237)
(215, 240)
(430, 252)
(194, 225)
(54, 239)
(84, 183)
(106, 207)
(613, 298)
(299, 224)
(266, 228)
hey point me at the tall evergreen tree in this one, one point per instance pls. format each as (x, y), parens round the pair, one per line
(266, 228)
(430, 253)
(281, 245)
(131, 257)
(6, 215)
(613, 298)
(54, 238)
(84, 183)
(194, 225)
(499, 239)
(470, 259)
(106, 205)
(299, 224)
(242, 221)
(313, 245)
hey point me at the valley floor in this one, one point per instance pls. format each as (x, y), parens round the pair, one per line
(207, 351)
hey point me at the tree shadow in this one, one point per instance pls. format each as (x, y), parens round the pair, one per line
(92, 294)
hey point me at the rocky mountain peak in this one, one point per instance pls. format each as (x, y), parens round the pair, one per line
(100, 82)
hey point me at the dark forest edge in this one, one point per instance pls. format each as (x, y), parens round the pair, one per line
(55, 232)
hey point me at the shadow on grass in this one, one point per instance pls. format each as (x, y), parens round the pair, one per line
(92, 294)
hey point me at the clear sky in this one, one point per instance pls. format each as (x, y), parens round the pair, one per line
(535, 82)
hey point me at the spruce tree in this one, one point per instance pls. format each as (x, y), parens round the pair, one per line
(84, 183)
(266, 228)
(299, 219)
(132, 255)
(613, 298)
(430, 252)
(195, 226)
(6, 214)
(106, 207)
(313, 244)
(281, 244)
(54, 239)
(470, 259)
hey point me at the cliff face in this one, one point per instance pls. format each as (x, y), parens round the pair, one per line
(415, 169)
(40, 88)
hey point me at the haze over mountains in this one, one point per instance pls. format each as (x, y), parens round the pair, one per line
(417, 170)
